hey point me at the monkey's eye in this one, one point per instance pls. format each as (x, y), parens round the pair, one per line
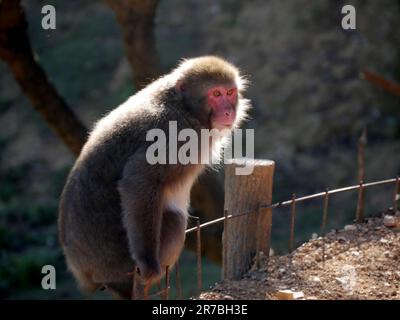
(217, 93)
(230, 92)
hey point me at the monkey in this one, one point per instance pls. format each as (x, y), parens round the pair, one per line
(119, 214)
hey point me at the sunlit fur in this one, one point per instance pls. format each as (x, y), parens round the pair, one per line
(117, 212)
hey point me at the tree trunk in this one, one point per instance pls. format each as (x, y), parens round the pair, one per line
(16, 51)
(136, 18)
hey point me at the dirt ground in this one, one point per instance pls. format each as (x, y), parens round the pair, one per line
(362, 261)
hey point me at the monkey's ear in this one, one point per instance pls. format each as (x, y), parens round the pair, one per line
(179, 89)
(180, 86)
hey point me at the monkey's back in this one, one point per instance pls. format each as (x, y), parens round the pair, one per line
(90, 218)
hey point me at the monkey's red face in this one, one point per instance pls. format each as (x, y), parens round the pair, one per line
(223, 101)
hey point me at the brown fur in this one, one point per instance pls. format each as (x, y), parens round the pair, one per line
(116, 211)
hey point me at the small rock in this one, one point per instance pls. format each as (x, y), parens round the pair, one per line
(315, 279)
(350, 227)
(389, 221)
(383, 240)
(341, 280)
(314, 236)
(289, 295)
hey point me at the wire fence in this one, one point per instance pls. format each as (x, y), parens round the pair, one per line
(295, 200)
(164, 292)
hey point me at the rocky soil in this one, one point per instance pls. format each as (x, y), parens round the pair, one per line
(362, 261)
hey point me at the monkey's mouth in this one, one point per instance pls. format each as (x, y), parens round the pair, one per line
(222, 125)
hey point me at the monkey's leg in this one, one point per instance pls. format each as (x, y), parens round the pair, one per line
(84, 278)
(172, 237)
(141, 200)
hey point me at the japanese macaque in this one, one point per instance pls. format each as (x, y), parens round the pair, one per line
(119, 214)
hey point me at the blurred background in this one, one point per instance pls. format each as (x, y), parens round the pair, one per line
(310, 106)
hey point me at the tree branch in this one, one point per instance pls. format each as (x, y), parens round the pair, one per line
(136, 18)
(381, 82)
(16, 51)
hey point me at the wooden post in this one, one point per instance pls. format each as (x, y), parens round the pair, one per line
(225, 244)
(244, 234)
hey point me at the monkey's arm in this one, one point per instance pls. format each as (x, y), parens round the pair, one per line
(141, 198)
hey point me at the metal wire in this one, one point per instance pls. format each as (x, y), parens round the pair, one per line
(292, 223)
(289, 202)
(325, 212)
(199, 269)
(360, 203)
(166, 296)
(396, 195)
(323, 224)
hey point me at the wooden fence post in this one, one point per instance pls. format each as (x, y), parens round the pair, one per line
(244, 234)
